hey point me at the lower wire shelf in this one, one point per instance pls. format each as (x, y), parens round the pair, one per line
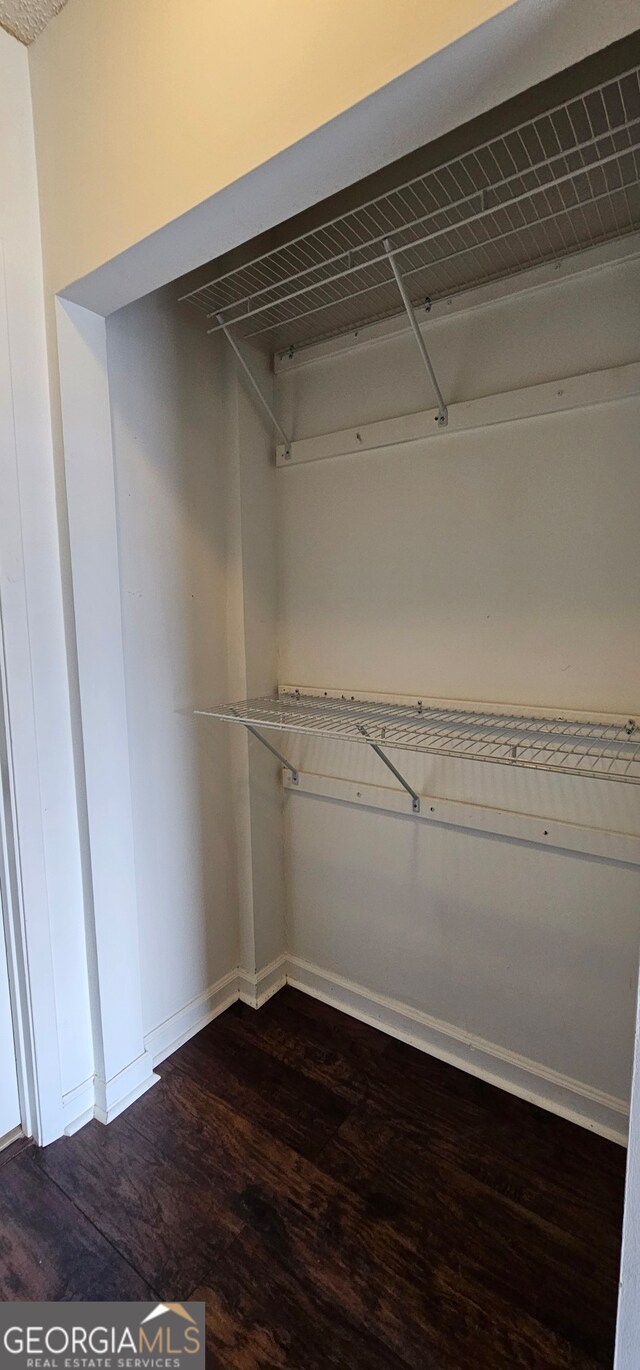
(604, 751)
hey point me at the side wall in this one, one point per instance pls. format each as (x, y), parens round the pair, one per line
(501, 564)
(194, 487)
(32, 622)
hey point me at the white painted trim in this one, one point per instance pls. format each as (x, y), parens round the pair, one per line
(82, 1119)
(252, 988)
(553, 397)
(590, 1108)
(588, 262)
(78, 1105)
(113, 1096)
(255, 990)
(112, 926)
(195, 1015)
(8, 1138)
(105, 1100)
(23, 868)
(525, 827)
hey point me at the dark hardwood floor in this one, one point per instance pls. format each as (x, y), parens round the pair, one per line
(338, 1199)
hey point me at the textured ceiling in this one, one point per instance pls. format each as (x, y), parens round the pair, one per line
(25, 19)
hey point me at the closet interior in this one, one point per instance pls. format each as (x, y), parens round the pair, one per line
(378, 495)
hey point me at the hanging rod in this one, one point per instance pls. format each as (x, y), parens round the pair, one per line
(255, 387)
(443, 417)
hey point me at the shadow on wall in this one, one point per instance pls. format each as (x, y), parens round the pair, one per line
(171, 438)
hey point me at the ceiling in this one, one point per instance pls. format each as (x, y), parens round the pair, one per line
(25, 19)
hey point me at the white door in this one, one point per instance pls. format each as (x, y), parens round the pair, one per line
(9, 1100)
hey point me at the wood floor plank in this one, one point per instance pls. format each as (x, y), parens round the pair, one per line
(497, 1246)
(48, 1250)
(14, 1149)
(351, 1034)
(338, 1198)
(323, 1235)
(299, 1110)
(422, 1310)
(169, 1223)
(538, 1159)
(259, 1315)
(312, 1046)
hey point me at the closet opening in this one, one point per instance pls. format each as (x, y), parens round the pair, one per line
(377, 496)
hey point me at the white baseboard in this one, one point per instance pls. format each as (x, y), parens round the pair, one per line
(251, 988)
(569, 1098)
(95, 1098)
(192, 1018)
(106, 1099)
(590, 1108)
(78, 1105)
(114, 1095)
(256, 989)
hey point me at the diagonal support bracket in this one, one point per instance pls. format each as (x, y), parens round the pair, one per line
(415, 800)
(274, 751)
(254, 384)
(443, 416)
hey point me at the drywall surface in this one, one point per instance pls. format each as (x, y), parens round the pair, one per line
(145, 111)
(502, 565)
(498, 565)
(169, 449)
(30, 587)
(198, 584)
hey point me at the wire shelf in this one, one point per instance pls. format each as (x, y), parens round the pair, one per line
(566, 179)
(606, 751)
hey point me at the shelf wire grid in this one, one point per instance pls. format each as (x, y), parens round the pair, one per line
(606, 751)
(565, 179)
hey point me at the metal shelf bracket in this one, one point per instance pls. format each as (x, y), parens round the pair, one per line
(282, 759)
(443, 416)
(274, 750)
(415, 801)
(254, 384)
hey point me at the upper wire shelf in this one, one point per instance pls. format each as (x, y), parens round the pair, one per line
(565, 179)
(606, 751)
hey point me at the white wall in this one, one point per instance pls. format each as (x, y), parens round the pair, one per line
(30, 599)
(501, 564)
(198, 589)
